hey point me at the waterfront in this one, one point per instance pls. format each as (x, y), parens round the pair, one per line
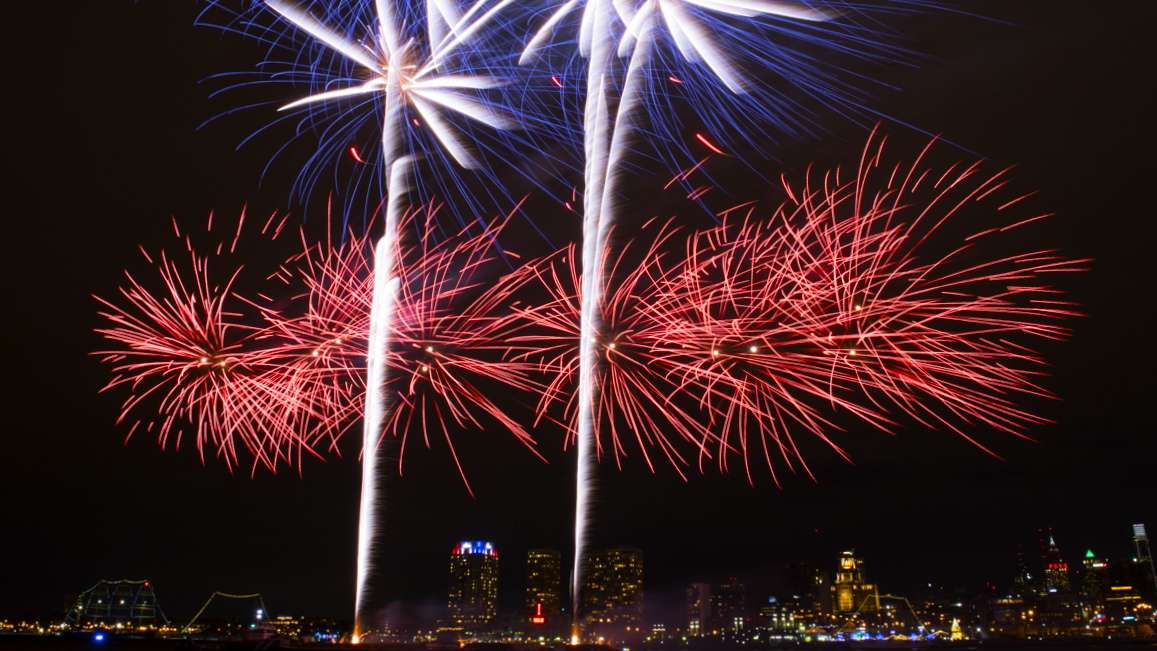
(77, 643)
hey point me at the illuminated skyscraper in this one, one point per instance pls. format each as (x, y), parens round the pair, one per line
(698, 609)
(1093, 582)
(779, 619)
(717, 610)
(1056, 570)
(1144, 559)
(728, 608)
(473, 584)
(1023, 583)
(850, 592)
(613, 591)
(803, 579)
(543, 585)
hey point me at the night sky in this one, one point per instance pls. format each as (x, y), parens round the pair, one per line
(103, 147)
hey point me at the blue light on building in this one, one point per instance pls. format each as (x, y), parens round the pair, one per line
(476, 547)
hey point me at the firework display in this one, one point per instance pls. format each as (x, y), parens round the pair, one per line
(899, 294)
(858, 297)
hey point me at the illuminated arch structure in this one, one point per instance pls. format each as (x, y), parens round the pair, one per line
(131, 604)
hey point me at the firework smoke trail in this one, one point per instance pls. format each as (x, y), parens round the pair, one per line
(385, 289)
(402, 79)
(605, 145)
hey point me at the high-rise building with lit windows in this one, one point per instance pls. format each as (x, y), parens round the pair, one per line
(718, 610)
(473, 601)
(1023, 582)
(613, 592)
(1094, 579)
(728, 608)
(1056, 570)
(543, 586)
(785, 618)
(1143, 558)
(698, 609)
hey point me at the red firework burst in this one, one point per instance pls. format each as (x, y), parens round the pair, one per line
(448, 352)
(286, 377)
(641, 394)
(858, 297)
(183, 350)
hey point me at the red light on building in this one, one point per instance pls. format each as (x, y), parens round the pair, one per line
(538, 617)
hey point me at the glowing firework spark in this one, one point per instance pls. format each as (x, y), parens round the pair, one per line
(385, 79)
(400, 77)
(836, 304)
(945, 339)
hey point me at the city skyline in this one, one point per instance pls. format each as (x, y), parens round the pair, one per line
(1099, 597)
(711, 606)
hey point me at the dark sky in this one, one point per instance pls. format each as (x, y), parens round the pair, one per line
(103, 147)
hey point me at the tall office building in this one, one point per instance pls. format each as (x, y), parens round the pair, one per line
(1093, 582)
(473, 584)
(850, 591)
(728, 607)
(543, 586)
(613, 591)
(1056, 570)
(698, 609)
(806, 587)
(1023, 583)
(717, 610)
(781, 618)
(1144, 559)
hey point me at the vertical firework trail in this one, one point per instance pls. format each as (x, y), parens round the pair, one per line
(595, 145)
(609, 30)
(381, 320)
(603, 148)
(404, 79)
